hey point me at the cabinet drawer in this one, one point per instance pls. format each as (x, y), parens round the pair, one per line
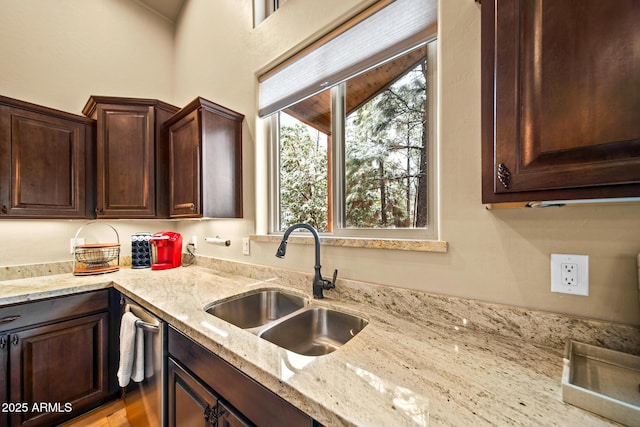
(46, 311)
(251, 399)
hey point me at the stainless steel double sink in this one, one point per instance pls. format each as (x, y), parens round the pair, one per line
(288, 321)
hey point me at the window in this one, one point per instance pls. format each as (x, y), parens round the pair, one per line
(357, 159)
(303, 173)
(262, 9)
(353, 126)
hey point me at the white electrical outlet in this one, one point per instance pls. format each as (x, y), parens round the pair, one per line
(570, 274)
(246, 247)
(75, 242)
(194, 240)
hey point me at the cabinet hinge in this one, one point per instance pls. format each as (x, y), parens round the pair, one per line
(504, 175)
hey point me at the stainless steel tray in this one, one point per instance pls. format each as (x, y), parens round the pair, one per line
(603, 381)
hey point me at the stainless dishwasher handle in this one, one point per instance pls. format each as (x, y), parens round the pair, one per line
(9, 319)
(147, 326)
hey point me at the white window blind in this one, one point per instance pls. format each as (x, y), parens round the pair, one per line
(389, 31)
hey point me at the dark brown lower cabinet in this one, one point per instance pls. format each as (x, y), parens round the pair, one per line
(192, 404)
(229, 418)
(4, 376)
(199, 380)
(54, 361)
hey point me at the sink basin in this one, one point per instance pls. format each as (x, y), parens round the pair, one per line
(287, 321)
(257, 308)
(314, 331)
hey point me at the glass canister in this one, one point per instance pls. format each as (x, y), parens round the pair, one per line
(140, 250)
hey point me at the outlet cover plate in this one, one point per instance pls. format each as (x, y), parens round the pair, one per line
(570, 274)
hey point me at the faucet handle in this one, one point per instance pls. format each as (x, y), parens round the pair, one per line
(332, 283)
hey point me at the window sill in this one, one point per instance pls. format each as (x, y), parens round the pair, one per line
(352, 242)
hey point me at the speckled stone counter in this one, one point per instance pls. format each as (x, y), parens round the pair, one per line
(422, 360)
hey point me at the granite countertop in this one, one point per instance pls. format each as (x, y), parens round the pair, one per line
(400, 370)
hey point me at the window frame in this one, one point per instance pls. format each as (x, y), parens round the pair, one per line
(262, 9)
(337, 166)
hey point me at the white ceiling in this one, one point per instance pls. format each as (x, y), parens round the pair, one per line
(170, 9)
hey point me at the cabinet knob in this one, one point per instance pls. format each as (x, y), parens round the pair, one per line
(211, 414)
(98, 211)
(4, 209)
(192, 207)
(221, 410)
(215, 414)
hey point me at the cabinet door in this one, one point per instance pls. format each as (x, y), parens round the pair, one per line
(561, 96)
(125, 161)
(42, 165)
(256, 403)
(190, 403)
(205, 159)
(4, 377)
(60, 369)
(184, 171)
(227, 417)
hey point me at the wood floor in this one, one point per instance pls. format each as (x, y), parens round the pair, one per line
(135, 409)
(112, 414)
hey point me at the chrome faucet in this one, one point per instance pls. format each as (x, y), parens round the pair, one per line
(319, 284)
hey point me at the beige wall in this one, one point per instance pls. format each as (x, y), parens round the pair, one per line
(500, 256)
(58, 53)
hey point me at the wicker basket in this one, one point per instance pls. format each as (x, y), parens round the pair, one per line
(96, 258)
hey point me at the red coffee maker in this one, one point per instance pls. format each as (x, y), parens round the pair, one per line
(166, 250)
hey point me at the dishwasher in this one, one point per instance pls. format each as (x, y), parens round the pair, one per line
(143, 400)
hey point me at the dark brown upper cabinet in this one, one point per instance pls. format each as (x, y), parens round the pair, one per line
(560, 99)
(132, 156)
(205, 161)
(46, 162)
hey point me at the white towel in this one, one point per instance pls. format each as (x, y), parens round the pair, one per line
(131, 365)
